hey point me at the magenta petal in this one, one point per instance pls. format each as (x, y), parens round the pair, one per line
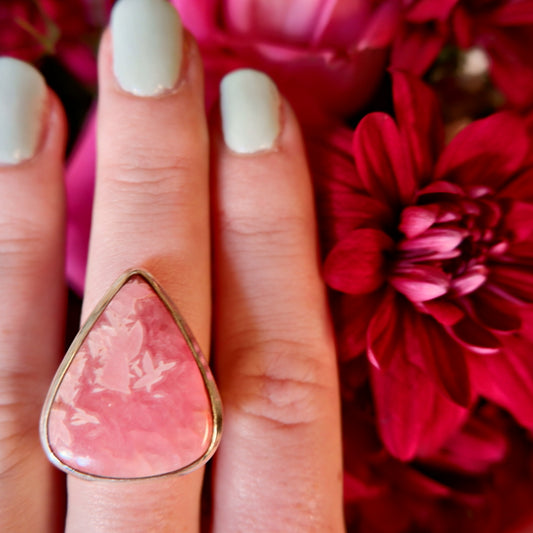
(472, 449)
(417, 219)
(519, 219)
(80, 173)
(382, 26)
(441, 187)
(343, 210)
(445, 360)
(381, 160)
(439, 240)
(407, 401)
(404, 400)
(494, 312)
(481, 153)
(426, 10)
(416, 47)
(420, 283)
(470, 281)
(448, 417)
(513, 14)
(474, 336)
(511, 63)
(356, 265)
(507, 379)
(520, 187)
(516, 280)
(443, 311)
(430, 345)
(419, 121)
(352, 316)
(385, 331)
(199, 17)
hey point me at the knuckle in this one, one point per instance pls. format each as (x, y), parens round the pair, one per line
(22, 242)
(149, 172)
(275, 229)
(285, 383)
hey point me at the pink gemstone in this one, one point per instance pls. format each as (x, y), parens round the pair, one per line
(133, 403)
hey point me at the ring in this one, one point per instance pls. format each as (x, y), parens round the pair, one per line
(134, 397)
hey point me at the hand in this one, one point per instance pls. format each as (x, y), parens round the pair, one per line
(278, 467)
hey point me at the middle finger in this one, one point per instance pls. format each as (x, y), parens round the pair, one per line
(150, 212)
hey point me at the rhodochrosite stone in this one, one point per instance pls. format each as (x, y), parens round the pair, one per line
(133, 402)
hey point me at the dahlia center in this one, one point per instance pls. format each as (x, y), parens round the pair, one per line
(445, 242)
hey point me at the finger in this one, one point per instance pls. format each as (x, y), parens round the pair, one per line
(32, 139)
(279, 464)
(151, 212)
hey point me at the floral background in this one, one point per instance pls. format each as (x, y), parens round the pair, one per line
(418, 118)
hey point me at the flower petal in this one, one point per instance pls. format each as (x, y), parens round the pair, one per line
(519, 219)
(438, 188)
(472, 450)
(406, 402)
(481, 153)
(382, 26)
(356, 265)
(507, 378)
(397, 330)
(470, 281)
(79, 181)
(385, 331)
(445, 360)
(513, 14)
(381, 161)
(516, 280)
(495, 312)
(511, 68)
(419, 121)
(416, 219)
(474, 337)
(347, 210)
(520, 187)
(439, 240)
(417, 45)
(352, 316)
(443, 311)
(426, 10)
(420, 283)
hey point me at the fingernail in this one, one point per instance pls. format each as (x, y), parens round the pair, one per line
(250, 104)
(147, 46)
(22, 104)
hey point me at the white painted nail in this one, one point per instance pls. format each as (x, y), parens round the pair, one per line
(250, 108)
(22, 104)
(147, 46)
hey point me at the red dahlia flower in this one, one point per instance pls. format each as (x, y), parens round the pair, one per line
(503, 29)
(433, 250)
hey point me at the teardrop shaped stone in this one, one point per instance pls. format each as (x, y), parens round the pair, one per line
(133, 402)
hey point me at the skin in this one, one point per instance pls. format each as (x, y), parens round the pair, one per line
(212, 226)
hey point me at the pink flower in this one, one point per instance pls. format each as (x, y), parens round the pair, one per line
(79, 182)
(431, 247)
(33, 29)
(329, 54)
(502, 29)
